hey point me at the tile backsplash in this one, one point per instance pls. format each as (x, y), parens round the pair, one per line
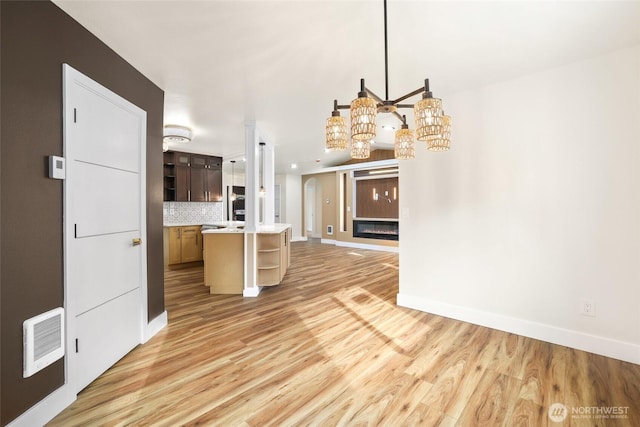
(191, 213)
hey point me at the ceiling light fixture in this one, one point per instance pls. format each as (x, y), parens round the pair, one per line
(429, 118)
(175, 133)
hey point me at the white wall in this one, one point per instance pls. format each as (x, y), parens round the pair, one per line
(536, 206)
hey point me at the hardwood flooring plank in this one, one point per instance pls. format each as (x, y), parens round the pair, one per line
(492, 400)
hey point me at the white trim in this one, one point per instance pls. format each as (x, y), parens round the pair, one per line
(621, 350)
(251, 292)
(393, 249)
(364, 165)
(299, 239)
(316, 236)
(328, 241)
(46, 409)
(155, 326)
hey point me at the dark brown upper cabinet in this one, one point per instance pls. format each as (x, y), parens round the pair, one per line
(192, 177)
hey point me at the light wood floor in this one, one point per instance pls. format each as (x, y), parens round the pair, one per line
(330, 347)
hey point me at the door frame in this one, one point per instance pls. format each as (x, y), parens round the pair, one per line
(74, 77)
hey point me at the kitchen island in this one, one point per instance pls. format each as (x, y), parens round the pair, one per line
(237, 261)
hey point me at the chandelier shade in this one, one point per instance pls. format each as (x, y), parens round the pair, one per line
(443, 141)
(360, 149)
(429, 122)
(428, 116)
(404, 147)
(363, 118)
(336, 132)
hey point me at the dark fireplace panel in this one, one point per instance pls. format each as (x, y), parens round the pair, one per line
(373, 229)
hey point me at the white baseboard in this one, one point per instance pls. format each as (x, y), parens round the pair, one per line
(155, 326)
(367, 246)
(299, 239)
(621, 350)
(328, 241)
(45, 410)
(251, 292)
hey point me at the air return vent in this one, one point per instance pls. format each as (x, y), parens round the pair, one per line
(43, 337)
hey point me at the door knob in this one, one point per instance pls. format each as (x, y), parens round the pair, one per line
(137, 241)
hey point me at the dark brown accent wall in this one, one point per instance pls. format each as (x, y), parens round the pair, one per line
(367, 207)
(36, 39)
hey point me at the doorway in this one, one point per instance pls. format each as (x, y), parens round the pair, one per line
(313, 208)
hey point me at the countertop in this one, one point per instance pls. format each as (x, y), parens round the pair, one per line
(238, 227)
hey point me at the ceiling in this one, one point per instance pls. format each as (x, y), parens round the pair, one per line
(282, 63)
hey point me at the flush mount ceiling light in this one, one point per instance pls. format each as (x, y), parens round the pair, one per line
(175, 133)
(428, 115)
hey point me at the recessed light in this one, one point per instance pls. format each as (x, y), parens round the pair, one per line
(372, 141)
(388, 127)
(294, 166)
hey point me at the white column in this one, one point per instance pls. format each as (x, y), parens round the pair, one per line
(252, 165)
(251, 206)
(269, 184)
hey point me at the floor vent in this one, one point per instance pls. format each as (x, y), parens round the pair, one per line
(43, 337)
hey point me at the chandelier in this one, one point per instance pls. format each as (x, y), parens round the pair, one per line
(432, 125)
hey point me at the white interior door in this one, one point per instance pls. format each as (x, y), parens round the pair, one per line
(105, 230)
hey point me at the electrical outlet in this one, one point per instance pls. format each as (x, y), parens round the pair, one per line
(587, 307)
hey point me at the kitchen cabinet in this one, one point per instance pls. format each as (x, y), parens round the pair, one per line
(182, 244)
(214, 179)
(192, 177)
(224, 262)
(197, 181)
(272, 257)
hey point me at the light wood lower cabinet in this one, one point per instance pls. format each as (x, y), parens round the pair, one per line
(272, 257)
(182, 244)
(224, 262)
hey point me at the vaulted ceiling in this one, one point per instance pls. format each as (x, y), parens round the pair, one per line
(282, 63)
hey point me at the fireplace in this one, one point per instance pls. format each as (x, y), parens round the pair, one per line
(375, 229)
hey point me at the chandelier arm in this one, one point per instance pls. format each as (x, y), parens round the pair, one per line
(409, 95)
(342, 107)
(401, 118)
(404, 105)
(374, 96)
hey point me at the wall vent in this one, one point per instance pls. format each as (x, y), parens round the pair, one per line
(43, 339)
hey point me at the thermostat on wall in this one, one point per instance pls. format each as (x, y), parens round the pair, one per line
(56, 167)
